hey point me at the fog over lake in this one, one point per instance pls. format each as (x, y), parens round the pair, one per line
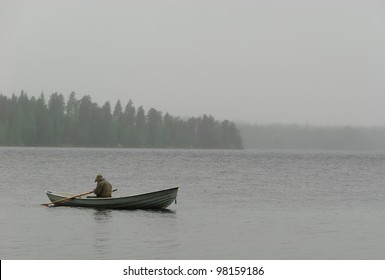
(305, 62)
(299, 84)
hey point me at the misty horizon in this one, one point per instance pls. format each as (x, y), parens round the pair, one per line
(185, 117)
(304, 62)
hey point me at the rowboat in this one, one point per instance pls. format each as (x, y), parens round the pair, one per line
(152, 200)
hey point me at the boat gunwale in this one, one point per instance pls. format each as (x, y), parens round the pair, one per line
(65, 195)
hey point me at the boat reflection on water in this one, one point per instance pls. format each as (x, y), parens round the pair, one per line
(101, 214)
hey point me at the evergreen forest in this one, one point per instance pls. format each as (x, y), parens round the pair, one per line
(26, 121)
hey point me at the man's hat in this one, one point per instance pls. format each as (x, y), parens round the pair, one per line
(98, 178)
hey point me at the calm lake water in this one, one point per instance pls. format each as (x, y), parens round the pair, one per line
(230, 205)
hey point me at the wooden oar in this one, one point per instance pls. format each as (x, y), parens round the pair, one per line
(65, 199)
(69, 198)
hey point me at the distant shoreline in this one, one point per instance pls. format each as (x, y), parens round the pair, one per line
(133, 148)
(311, 137)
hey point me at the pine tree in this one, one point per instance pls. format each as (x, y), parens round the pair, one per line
(140, 127)
(154, 128)
(56, 111)
(129, 135)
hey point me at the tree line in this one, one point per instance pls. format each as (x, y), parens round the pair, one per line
(81, 122)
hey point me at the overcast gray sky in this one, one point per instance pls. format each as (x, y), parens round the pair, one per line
(316, 62)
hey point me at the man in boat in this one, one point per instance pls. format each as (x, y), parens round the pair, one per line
(103, 187)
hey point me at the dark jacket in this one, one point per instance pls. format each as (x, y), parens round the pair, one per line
(103, 189)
